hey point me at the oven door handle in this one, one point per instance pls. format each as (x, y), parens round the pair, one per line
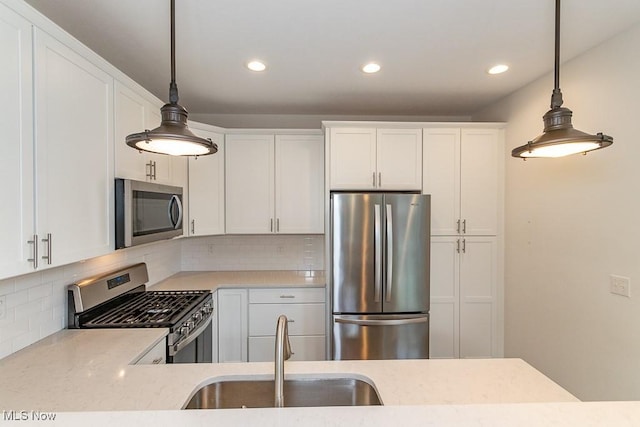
(175, 348)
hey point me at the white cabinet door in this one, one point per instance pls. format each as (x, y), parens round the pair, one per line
(441, 178)
(135, 112)
(444, 319)
(479, 156)
(214, 327)
(232, 325)
(262, 349)
(16, 161)
(249, 164)
(299, 184)
(399, 159)
(206, 188)
(461, 169)
(353, 159)
(74, 157)
(478, 310)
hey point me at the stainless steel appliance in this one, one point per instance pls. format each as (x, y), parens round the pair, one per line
(146, 212)
(119, 299)
(380, 275)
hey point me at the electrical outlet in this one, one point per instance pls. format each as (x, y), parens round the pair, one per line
(620, 285)
(3, 306)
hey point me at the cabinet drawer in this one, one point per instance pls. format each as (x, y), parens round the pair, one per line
(304, 319)
(155, 356)
(262, 349)
(286, 295)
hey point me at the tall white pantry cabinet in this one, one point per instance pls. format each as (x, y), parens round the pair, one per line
(463, 174)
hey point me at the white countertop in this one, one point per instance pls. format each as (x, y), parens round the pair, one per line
(212, 280)
(88, 370)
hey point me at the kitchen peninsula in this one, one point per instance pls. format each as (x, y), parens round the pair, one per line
(91, 370)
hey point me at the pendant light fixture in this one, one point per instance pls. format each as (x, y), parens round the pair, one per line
(559, 138)
(173, 136)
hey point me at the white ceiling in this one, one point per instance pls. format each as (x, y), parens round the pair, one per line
(433, 53)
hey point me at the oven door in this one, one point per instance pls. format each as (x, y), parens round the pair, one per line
(196, 348)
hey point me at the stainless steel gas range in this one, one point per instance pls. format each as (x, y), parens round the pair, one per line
(119, 299)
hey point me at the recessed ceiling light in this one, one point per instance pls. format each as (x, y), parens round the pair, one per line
(498, 69)
(371, 67)
(256, 66)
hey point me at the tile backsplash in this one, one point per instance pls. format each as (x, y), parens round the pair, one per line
(36, 303)
(253, 252)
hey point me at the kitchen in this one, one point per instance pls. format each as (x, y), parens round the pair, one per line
(582, 340)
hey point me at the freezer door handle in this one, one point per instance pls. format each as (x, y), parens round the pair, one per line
(389, 254)
(378, 250)
(382, 322)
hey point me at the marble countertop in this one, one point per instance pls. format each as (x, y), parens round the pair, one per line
(212, 280)
(89, 370)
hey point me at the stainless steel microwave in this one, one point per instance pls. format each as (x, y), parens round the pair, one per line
(146, 212)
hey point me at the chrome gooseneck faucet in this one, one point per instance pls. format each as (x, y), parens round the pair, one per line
(283, 352)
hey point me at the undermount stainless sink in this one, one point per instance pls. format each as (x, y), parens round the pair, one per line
(259, 393)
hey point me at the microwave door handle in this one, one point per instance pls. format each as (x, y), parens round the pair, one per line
(175, 200)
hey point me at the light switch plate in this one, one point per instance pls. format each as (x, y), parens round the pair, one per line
(620, 285)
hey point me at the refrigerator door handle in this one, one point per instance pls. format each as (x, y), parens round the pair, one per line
(382, 322)
(378, 257)
(389, 254)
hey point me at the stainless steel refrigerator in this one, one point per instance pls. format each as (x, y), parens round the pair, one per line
(380, 275)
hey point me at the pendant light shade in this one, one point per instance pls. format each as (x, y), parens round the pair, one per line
(559, 138)
(173, 136)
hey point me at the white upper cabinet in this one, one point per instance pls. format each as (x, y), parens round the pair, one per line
(74, 154)
(375, 159)
(399, 159)
(135, 112)
(299, 187)
(274, 184)
(249, 164)
(461, 174)
(206, 187)
(16, 162)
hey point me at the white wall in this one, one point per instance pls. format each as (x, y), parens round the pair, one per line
(572, 222)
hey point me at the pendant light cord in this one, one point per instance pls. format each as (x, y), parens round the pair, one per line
(173, 87)
(556, 97)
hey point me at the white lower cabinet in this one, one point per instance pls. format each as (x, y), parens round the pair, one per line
(247, 321)
(156, 356)
(232, 325)
(463, 316)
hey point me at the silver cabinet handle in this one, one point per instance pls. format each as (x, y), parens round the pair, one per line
(464, 226)
(193, 226)
(157, 361)
(458, 245)
(48, 242)
(373, 179)
(34, 242)
(271, 226)
(291, 321)
(378, 253)
(458, 226)
(389, 253)
(464, 246)
(287, 296)
(380, 179)
(277, 225)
